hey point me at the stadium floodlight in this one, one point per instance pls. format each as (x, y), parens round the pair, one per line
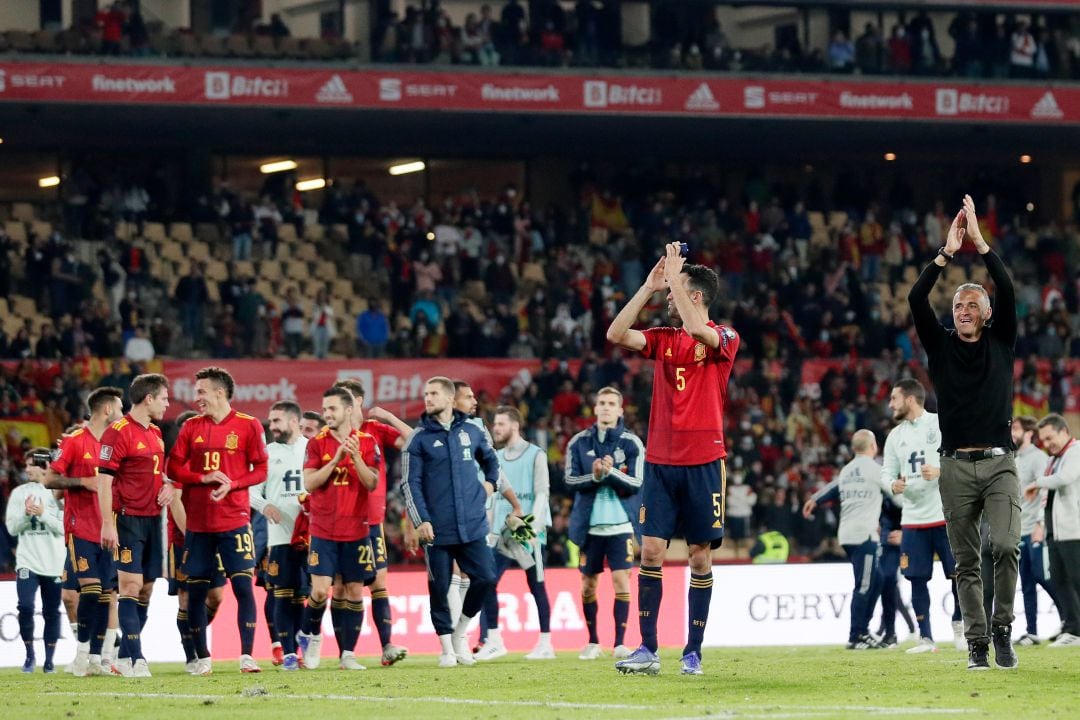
(276, 167)
(890, 156)
(312, 184)
(48, 182)
(1025, 159)
(1, 141)
(406, 168)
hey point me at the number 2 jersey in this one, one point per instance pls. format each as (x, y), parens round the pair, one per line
(339, 507)
(236, 446)
(282, 489)
(690, 383)
(134, 455)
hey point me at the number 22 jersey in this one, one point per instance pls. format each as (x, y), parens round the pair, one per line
(339, 507)
(690, 382)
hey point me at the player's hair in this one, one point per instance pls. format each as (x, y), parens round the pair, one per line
(1027, 422)
(861, 440)
(311, 415)
(444, 382)
(704, 279)
(973, 286)
(288, 407)
(184, 417)
(509, 411)
(1055, 421)
(911, 387)
(459, 384)
(340, 392)
(355, 387)
(220, 377)
(101, 397)
(149, 384)
(609, 390)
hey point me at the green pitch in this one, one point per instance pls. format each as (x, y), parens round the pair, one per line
(741, 683)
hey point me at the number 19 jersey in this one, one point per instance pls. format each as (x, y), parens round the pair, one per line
(284, 483)
(690, 382)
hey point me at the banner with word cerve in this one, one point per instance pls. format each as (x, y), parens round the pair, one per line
(396, 385)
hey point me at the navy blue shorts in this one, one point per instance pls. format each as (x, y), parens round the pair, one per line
(233, 551)
(287, 569)
(352, 559)
(178, 578)
(141, 545)
(618, 550)
(917, 549)
(378, 546)
(890, 560)
(88, 560)
(68, 580)
(684, 500)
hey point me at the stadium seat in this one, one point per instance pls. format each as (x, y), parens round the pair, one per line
(41, 228)
(16, 230)
(47, 41)
(20, 41)
(4, 309)
(187, 45)
(287, 233)
(837, 219)
(817, 220)
(292, 49)
(23, 306)
(154, 231)
(342, 288)
(244, 268)
(270, 270)
(213, 293)
(181, 232)
(208, 232)
(306, 252)
(198, 250)
(265, 47)
(314, 231)
(237, 45)
(212, 46)
(23, 211)
(339, 232)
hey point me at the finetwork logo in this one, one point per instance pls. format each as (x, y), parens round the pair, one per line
(702, 99)
(334, 91)
(1047, 108)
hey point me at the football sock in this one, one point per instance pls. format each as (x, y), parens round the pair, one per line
(268, 613)
(185, 635)
(128, 609)
(588, 607)
(650, 592)
(313, 615)
(143, 607)
(698, 598)
(920, 602)
(198, 615)
(87, 610)
(246, 614)
(380, 615)
(101, 624)
(622, 616)
(337, 619)
(283, 620)
(454, 598)
(353, 619)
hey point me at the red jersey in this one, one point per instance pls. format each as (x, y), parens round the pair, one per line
(78, 458)
(690, 382)
(301, 534)
(237, 447)
(385, 436)
(175, 537)
(339, 507)
(135, 456)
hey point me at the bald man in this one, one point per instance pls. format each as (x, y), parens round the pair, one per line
(859, 492)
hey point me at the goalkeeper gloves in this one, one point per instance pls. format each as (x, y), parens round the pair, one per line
(521, 528)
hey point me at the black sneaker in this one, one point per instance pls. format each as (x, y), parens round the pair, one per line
(978, 655)
(1004, 655)
(865, 642)
(888, 642)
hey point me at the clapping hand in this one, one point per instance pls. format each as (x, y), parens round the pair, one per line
(955, 239)
(973, 231)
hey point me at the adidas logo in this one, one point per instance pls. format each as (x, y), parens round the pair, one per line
(334, 91)
(702, 99)
(199, 439)
(437, 443)
(1047, 107)
(140, 446)
(87, 456)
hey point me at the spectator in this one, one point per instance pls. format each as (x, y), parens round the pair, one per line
(278, 28)
(841, 53)
(925, 56)
(136, 203)
(242, 220)
(970, 51)
(192, 296)
(868, 51)
(1022, 54)
(372, 330)
(899, 51)
(110, 23)
(251, 316)
(292, 323)
(268, 219)
(161, 334)
(138, 348)
(323, 330)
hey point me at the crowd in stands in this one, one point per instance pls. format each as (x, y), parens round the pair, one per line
(588, 34)
(496, 277)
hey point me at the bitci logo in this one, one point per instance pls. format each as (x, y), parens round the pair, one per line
(217, 85)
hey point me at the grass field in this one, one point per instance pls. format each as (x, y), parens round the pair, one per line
(739, 683)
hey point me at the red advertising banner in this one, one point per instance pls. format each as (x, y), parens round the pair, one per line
(688, 95)
(410, 605)
(397, 385)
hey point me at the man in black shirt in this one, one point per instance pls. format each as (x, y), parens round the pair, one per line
(972, 371)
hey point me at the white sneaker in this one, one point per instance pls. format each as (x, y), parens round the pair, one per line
(461, 650)
(591, 651)
(621, 652)
(542, 651)
(447, 660)
(93, 667)
(140, 669)
(204, 667)
(1065, 640)
(959, 641)
(925, 645)
(80, 666)
(490, 651)
(189, 668)
(312, 657)
(123, 667)
(69, 669)
(248, 665)
(348, 661)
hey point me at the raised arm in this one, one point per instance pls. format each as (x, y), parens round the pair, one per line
(692, 320)
(931, 334)
(621, 331)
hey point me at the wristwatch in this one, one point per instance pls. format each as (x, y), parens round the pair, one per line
(942, 253)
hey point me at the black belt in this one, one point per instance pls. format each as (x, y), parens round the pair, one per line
(981, 454)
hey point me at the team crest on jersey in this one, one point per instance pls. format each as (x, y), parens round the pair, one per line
(699, 352)
(904, 562)
(619, 457)
(313, 558)
(125, 555)
(106, 453)
(83, 564)
(932, 436)
(232, 441)
(272, 569)
(464, 439)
